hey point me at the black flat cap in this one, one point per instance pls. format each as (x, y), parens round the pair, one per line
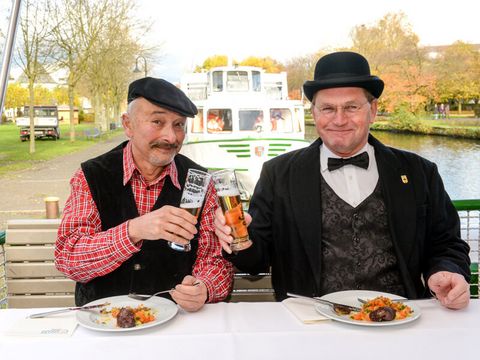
(162, 93)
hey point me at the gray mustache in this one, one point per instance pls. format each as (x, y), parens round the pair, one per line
(164, 145)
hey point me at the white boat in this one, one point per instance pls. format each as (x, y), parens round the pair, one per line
(245, 118)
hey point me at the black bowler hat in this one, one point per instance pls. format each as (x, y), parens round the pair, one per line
(343, 69)
(162, 93)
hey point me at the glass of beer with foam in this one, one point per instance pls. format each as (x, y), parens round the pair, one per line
(228, 193)
(194, 191)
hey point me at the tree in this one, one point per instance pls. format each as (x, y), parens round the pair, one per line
(266, 63)
(300, 69)
(458, 74)
(16, 97)
(213, 61)
(34, 54)
(109, 69)
(76, 28)
(392, 49)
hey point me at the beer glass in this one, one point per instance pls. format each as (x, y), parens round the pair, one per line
(194, 191)
(228, 193)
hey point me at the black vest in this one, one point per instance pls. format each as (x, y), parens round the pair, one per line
(155, 267)
(357, 250)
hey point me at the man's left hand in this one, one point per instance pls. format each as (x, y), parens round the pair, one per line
(189, 296)
(451, 289)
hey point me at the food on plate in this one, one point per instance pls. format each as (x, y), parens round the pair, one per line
(128, 317)
(382, 308)
(383, 313)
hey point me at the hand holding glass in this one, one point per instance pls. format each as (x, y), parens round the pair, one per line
(194, 191)
(228, 193)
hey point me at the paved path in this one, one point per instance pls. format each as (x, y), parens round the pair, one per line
(22, 192)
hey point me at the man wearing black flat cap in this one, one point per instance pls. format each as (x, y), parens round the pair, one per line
(349, 213)
(124, 208)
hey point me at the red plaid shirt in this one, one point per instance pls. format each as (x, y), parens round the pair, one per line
(83, 251)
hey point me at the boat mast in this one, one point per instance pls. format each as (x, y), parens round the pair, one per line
(7, 54)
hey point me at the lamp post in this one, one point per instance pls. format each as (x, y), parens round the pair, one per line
(137, 69)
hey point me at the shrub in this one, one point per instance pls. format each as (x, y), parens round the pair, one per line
(403, 119)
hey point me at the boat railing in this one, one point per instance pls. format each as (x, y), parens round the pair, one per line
(469, 213)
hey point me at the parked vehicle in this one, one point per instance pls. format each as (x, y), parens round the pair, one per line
(45, 122)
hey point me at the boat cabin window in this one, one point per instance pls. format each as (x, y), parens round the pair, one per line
(237, 80)
(274, 91)
(217, 81)
(197, 122)
(281, 120)
(250, 119)
(256, 82)
(219, 120)
(196, 92)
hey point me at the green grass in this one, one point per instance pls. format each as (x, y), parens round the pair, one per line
(15, 154)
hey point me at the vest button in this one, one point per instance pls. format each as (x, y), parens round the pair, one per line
(137, 267)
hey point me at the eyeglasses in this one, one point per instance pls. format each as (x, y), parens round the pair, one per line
(329, 111)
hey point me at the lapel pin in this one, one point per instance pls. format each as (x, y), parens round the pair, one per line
(404, 179)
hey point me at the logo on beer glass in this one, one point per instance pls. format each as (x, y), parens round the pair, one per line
(228, 193)
(194, 190)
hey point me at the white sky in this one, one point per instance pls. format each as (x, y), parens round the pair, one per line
(192, 30)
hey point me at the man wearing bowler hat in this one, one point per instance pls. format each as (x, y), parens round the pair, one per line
(348, 212)
(124, 208)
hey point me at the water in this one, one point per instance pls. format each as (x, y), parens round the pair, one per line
(458, 160)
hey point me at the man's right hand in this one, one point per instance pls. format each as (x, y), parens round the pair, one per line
(167, 223)
(223, 231)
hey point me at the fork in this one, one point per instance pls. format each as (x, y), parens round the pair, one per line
(146, 297)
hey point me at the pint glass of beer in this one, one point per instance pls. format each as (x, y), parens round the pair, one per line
(194, 191)
(228, 193)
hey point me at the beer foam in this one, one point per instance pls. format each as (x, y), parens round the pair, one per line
(229, 192)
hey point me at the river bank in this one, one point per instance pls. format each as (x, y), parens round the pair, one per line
(467, 128)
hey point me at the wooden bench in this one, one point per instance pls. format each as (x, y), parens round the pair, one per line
(32, 279)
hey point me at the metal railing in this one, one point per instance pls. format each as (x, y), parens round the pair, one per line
(469, 213)
(3, 280)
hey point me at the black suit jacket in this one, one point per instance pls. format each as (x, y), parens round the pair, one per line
(286, 228)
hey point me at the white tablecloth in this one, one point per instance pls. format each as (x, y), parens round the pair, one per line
(259, 331)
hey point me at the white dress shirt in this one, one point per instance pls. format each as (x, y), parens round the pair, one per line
(351, 183)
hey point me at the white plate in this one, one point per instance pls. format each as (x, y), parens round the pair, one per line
(350, 297)
(92, 319)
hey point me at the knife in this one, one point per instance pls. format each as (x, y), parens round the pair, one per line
(53, 312)
(323, 301)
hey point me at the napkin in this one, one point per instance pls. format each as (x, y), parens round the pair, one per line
(304, 310)
(55, 326)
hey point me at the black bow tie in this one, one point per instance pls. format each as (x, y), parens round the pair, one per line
(361, 160)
